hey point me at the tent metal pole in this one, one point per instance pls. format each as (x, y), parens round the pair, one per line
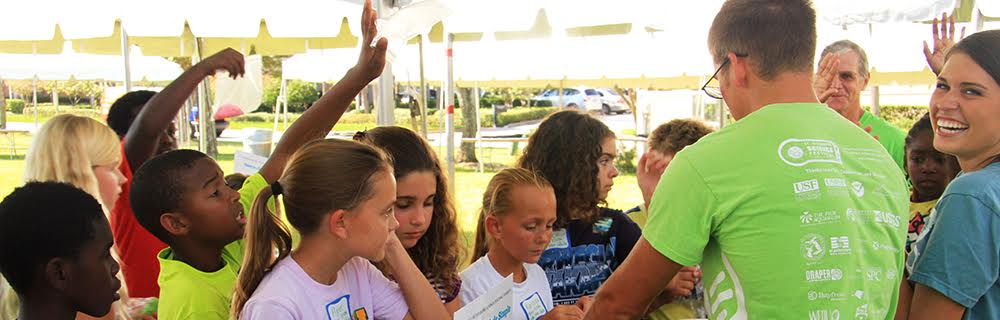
(34, 97)
(449, 101)
(423, 90)
(125, 57)
(387, 102)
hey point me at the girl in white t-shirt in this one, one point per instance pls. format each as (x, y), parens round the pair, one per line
(340, 196)
(515, 227)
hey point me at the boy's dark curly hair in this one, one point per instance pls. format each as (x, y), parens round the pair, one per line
(125, 109)
(565, 149)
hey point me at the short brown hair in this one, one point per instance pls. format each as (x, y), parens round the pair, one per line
(777, 35)
(671, 137)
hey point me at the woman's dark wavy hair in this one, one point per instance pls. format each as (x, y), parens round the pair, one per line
(565, 149)
(437, 253)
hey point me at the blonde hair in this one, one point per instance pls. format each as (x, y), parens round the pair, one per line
(67, 148)
(497, 201)
(323, 176)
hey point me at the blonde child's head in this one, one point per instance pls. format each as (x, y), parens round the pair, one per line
(517, 217)
(80, 151)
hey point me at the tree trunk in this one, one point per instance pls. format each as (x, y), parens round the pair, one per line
(470, 124)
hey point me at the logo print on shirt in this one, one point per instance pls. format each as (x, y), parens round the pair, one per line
(800, 152)
(824, 314)
(840, 246)
(812, 247)
(361, 314)
(858, 188)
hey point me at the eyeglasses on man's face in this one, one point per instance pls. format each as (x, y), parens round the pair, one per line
(711, 87)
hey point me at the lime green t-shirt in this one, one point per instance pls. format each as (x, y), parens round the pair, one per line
(792, 212)
(188, 293)
(670, 311)
(893, 139)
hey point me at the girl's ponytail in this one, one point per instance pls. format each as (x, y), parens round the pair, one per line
(265, 232)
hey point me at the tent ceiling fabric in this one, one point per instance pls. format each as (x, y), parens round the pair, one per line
(80, 66)
(845, 12)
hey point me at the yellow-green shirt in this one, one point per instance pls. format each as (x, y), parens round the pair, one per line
(670, 311)
(188, 293)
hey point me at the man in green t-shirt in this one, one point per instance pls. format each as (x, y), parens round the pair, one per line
(792, 212)
(840, 78)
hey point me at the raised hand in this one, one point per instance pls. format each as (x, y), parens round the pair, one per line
(372, 59)
(228, 59)
(651, 167)
(944, 39)
(825, 75)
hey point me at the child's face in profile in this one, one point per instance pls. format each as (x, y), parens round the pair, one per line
(93, 285)
(930, 170)
(606, 170)
(372, 224)
(212, 209)
(525, 231)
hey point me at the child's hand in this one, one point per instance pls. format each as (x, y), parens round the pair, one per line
(372, 60)
(682, 284)
(563, 312)
(651, 167)
(229, 60)
(584, 303)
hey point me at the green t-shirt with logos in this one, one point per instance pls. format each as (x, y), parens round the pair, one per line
(792, 212)
(891, 137)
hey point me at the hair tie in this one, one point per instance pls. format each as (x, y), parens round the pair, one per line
(360, 135)
(276, 189)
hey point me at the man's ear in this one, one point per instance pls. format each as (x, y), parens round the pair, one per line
(175, 224)
(741, 70)
(57, 273)
(338, 224)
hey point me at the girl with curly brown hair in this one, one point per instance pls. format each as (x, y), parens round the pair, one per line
(575, 153)
(424, 208)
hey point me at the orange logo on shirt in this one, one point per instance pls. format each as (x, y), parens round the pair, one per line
(361, 314)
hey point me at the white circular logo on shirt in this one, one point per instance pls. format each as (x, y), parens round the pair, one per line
(795, 152)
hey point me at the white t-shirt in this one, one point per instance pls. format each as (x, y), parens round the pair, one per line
(532, 298)
(360, 292)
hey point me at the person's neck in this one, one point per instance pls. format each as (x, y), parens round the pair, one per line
(199, 256)
(918, 197)
(784, 88)
(505, 265)
(853, 113)
(313, 255)
(979, 161)
(46, 307)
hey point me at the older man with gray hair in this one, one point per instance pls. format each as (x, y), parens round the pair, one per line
(841, 76)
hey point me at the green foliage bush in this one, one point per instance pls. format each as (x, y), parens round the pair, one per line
(521, 114)
(15, 105)
(901, 116)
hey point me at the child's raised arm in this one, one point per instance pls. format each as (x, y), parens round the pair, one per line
(318, 120)
(420, 297)
(144, 134)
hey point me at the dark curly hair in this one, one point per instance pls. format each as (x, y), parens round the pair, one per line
(41, 221)
(671, 137)
(565, 149)
(157, 188)
(437, 253)
(125, 109)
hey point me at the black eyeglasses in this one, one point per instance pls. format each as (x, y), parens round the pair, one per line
(714, 91)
